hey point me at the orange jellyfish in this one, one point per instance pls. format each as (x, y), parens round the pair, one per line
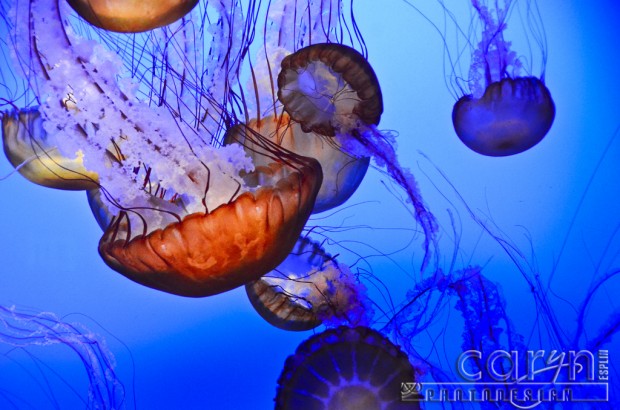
(331, 89)
(345, 368)
(131, 16)
(36, 157)
(308, 289)
(188, 217)
(513, 113)
(206, 253)
(342, 172)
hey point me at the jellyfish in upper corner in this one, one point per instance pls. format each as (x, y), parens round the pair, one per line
(131, 16)
(505, 113)
(308, 289)
(346, 368)
(183, 215)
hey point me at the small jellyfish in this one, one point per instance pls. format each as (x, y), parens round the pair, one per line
(342, 172)
(345, 369)
(30, 150)
(505, 114)
(332, 90)
(131, 16)
(328, 88)
(309, 289)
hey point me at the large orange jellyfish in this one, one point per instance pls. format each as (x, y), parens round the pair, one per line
(345, 369)
(186, 217)
(131, 16)
(505, 114)
(208, 253)
(309, 289)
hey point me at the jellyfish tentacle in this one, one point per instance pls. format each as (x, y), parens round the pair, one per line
(385, 156)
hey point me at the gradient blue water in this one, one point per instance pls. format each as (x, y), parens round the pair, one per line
(217, 353)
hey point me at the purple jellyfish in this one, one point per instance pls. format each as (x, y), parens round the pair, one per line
(345, 368)
(308, 289)
(505, 114)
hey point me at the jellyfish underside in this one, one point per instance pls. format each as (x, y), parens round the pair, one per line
(209, 253)
(307, 289)
(274, 295)
(279, 308)
(342, 172)
(345, 369)
(329, 88)
(512, 116)
(28, 148)
(321, 73)
(131, 16)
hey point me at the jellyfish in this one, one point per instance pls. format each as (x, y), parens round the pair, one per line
(478, 299)
(187, 217)
(309, 289)
(345, 368)
(309, 68)
(331, 89)
(131, 16)
(505, 114)
(23, 331)
(35, 156)
(342, 172)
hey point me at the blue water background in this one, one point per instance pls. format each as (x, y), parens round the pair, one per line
(216, 352)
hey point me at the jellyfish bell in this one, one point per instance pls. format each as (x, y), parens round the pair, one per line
(342, 172)
(505, 113)
(329, 87)
(34, 153)
(307, 289)
(512, 116)
(208, 253)
(131, 16)
(345, 368)
(332, 90)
